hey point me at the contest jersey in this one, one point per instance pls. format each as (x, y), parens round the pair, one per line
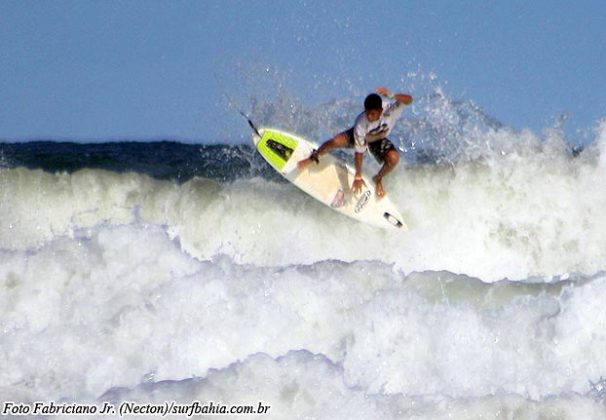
(365, 132)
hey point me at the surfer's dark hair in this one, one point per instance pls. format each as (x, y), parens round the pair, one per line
(373, 101)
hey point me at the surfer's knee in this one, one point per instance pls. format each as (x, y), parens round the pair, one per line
(340, 140)
(392, 158)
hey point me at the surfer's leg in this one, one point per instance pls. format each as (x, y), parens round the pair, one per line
(385, 152)
(339, 141)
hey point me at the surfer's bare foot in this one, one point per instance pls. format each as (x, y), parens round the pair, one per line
(379, 186)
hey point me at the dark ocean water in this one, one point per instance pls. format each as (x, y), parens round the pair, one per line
(164, 160)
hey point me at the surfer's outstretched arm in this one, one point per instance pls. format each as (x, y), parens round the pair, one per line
(403, 98)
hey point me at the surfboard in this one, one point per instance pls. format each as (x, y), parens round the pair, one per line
(329, 181)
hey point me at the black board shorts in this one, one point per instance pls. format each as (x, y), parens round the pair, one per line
(378, 148)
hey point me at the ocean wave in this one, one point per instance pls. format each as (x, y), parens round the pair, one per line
(113, 306)
(304, 385)
(532, 210)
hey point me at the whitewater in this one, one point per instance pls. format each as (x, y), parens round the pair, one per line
(149, 279)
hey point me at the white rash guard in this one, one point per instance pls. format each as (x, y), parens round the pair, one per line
(365, 132)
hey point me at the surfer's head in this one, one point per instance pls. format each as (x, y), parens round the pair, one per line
(373, 106)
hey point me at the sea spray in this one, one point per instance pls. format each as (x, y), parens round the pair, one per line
(530, 209)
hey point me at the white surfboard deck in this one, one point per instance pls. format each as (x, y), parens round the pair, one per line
(329, 181)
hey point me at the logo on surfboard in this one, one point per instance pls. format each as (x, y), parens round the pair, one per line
(393, 220)
(362, 202)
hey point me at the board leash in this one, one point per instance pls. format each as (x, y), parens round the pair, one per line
(231, 104)
(250, 123)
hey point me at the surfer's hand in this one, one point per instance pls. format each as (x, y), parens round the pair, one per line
(383, 91)
(357, 185)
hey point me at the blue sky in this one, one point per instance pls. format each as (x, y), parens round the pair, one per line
(100, 70)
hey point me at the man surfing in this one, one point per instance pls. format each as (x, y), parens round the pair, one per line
(370, 131)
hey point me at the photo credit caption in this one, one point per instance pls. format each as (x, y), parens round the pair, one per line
(130, 408)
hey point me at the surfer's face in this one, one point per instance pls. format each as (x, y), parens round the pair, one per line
(373, 114)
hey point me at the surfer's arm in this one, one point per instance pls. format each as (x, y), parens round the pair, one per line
(359, 161)
(402, 98)
(358, 180)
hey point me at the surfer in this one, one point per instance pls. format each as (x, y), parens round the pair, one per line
(370, 131)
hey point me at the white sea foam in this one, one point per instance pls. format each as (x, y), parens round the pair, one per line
(116, 307)
(301, 385)
(529, 209)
